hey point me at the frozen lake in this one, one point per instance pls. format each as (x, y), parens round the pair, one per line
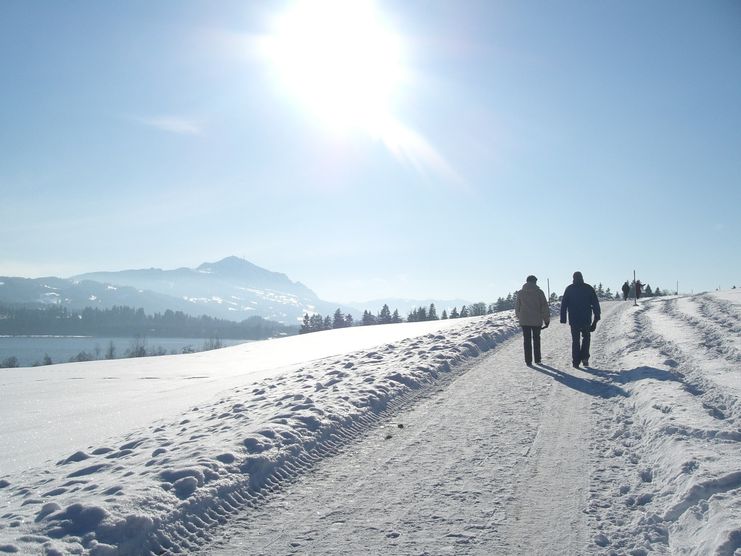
(32, 349)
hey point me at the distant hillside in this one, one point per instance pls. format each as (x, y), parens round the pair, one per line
(78, 294)
(231, 288)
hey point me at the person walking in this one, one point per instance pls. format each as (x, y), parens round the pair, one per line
(626, 290)
(580, 303)
(533, 313)
(639, 289)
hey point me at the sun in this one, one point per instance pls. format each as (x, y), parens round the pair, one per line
(339, 59)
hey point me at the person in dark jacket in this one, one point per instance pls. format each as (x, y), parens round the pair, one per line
(626, 290)
(533, 313)
(580, 303)
(639, 289)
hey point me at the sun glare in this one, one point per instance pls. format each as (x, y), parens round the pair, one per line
(339, 59)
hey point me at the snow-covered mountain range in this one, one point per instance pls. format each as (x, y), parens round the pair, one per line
(231, 288)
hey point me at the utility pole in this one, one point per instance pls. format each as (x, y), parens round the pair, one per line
(635, 290)
(548, 281)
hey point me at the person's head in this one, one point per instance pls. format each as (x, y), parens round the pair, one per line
(531, 279)
(578, 278)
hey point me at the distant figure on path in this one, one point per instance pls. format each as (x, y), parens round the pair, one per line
(626, 290)
(639, 287)
(533, 312)
(580, 302)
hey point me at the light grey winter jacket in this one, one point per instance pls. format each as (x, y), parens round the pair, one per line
(531, 308)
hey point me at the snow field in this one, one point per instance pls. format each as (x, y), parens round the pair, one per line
(638, 454)
(161, 488)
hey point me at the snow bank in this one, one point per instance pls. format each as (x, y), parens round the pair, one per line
(667, 458)
(44, 410)
(162, 486)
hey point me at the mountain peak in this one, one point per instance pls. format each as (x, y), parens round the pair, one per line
(236, 267)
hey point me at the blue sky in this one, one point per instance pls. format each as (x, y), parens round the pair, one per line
(539, 137)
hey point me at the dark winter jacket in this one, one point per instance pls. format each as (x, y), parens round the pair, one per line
(580, 301)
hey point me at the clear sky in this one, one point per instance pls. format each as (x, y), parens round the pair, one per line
(419, 149)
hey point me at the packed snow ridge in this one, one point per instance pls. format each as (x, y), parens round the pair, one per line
(659, 412)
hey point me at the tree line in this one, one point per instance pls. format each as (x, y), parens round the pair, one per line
(129, 322)
(317, 322)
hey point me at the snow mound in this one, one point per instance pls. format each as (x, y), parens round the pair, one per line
(668, 467)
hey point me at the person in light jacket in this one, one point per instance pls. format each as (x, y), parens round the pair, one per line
(580, 303)
(531, 310)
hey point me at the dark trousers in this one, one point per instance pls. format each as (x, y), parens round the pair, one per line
(580, 338)
(531, 341)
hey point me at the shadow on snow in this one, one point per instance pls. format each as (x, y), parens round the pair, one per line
(588, 386)
(636, 374)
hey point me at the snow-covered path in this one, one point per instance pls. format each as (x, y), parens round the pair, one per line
(496, 462)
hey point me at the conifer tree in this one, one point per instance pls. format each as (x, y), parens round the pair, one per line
(395, 318)
(348, 320)
(432, 312)
(368, 318)
(316, 322)
(454, 313)
(327, 323)
(444, 315)
(305, 326)
(384, 317)
(464, 312)
(339, 319)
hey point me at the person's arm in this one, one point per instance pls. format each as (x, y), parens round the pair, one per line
(564, 305)
(595, 306)
(545, 311)
(518, 303)
(596, 310)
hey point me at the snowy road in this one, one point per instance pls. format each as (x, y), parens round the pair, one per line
(472, 471)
